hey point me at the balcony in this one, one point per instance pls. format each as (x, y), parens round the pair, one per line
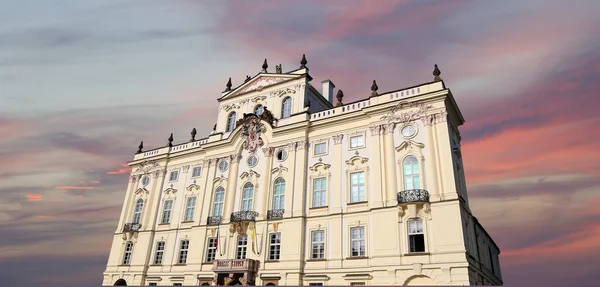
(233, 265)
(241, 216)
(132, 227)
(214, 220)
(413, 195)
(275, 214)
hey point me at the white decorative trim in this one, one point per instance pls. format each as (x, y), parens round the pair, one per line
(337, 139)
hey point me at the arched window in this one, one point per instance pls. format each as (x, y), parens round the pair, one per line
(230, 122)
(247, 197)
(411, 173)
(258, 110)
(279, 193)
(137, 213)
(286, 108)
(219, 199)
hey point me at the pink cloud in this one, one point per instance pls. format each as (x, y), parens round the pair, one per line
(94, 181)
(34, 197)
(43, 217)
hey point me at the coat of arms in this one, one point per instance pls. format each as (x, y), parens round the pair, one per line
(251, 129)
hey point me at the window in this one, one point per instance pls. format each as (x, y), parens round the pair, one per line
(212, 250)
(259, 110)
(416, 238)
(357, 187)
(196, 171)
(252, 161)
(128, 251)
(166, 216)
(315, 284)
(218, 204)
(275, 246)
(357, 241)
(241, 247)
(356, 141)
(320, 148)
(137, 213)
(357, 283)
(183, 251)
(318, 244)
(145, 180)
(173, 175)
(282, 155)
(189, 209)
(230, 122)
(223, 166)
(411, 173)
(152, 284)
(286, 108)
(279, 193)
(160, 250)
(177, 284)
(319, 188)
(247, 197)
(409, 131)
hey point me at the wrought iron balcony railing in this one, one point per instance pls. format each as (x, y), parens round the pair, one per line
(275, 214)
(132, 227)
(243, 216)
(214, 220)
(413, 195)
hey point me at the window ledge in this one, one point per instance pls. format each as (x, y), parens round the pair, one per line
(356, 257)
(316, 260)
(207, 263)
(357, 203)
(189, 221)
(416, 253)
(164, 224)
(318, 207)
(124, 265)
(184, 264)
(271, 261)
(153, 265)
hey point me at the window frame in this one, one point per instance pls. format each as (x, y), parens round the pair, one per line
(187, 217)
(174, 178)
(167, 219)
(230, 126)
(363, 239)
(127, 253)
(362, 137)
(412, 176)
(274, 247)
(241, 250)
(183, 252)
(248, 202)
(211, 250)
(137, 214)
(278, 199)
(223, 166)
(326, 152)
(314, 191)
(415, 234)
(221, 203)
(319, 244)
(159, 251)
(364, 187)
(284, 108)
(198, 173)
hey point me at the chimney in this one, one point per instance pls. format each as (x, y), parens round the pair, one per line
(328, 87)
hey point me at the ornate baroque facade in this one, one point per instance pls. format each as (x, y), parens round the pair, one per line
(294, 188)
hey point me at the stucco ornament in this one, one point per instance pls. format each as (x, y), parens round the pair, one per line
(396, 113)
(251, 130)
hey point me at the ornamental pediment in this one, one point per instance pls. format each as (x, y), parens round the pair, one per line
(260, 82)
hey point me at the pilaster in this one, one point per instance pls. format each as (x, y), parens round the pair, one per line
(290, 179)
(263, 204)
(133, 180)
(149, 214)
(336, 194)
(299, 179)
(390, 166)
(431, 164)
(376, 193)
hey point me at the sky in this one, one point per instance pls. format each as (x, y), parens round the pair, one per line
(83, 82)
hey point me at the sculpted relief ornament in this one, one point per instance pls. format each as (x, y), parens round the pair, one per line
(395, 114)
(251, 130)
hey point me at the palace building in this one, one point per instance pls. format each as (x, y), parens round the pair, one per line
(293, 186)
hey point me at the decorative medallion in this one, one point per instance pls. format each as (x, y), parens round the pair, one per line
(251, 130)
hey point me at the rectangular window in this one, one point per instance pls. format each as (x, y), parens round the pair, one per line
(212, 250)
(275, 246)
(318, 244)
(357, 284)
(166, 216)
(128, 251)
(357, 141)
(315, 284)
(152, 284)
(189, 209)
(183, 251)
(173, 175)
(357, 187)
(357, 241)
(160, 250)
(241, 247)
(320, 148)
(177, 284)
(196, 171)
(416, 238)
(319, 188)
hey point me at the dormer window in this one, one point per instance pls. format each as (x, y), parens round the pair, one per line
(259, 110)
(286, 108)
(230, 122)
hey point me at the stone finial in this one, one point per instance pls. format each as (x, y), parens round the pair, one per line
(215, 127)
(374, 89)
(307, 103)
(228, 86)
(171, 140)
(247, 79)
(193, 135)
(339, 97)
(265, 66)
(436, 74)
(303, 62)
(140, 147)
(278, 69)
